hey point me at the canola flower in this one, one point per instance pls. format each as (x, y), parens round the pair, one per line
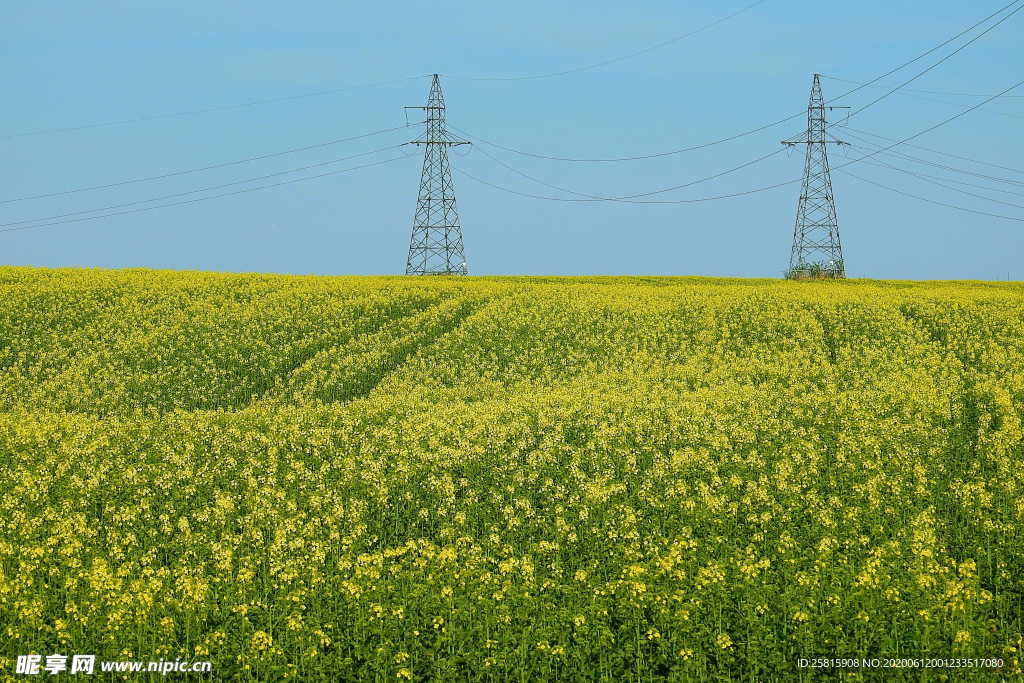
(509, 478)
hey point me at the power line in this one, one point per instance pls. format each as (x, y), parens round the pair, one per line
(932, 201)
(916, 90)
(626, 201)
(935, 164)
(946, 179)
(932, 100)
(923, 72)
(225, 164)
(202, 199)
(735, 194)
(596, 198)
(937, 182)
(58, 219)
(194, 112)
(937, 125)
(332, 91)
(641, 194)
(614, 59)
(630, 158)
(928, 52)
(946, 167)
(758, 129)
(935, 151)
(202, 189)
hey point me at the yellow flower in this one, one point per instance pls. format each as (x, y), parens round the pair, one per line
(261, 640)
(187, 452)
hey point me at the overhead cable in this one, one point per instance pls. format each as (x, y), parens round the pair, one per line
(916, 90)
(939, 152)
(203, 199)
(620, 58)
(924, 71)
(752, 130)
(627, 197)
(209, 167)
(932, 201)
(870, 154)
(227, 107)
(938, 182)
(203, 189)
(936, 164)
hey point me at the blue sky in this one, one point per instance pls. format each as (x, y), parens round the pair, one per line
(69, 64)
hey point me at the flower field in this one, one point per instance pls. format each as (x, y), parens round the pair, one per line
(510, 478)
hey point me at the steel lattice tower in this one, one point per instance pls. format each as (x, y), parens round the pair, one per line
(817, 251)
(436, 244)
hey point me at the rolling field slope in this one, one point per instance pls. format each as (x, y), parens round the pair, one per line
(509, 478)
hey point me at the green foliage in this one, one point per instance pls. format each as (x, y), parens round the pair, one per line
(817, 271)
(509, 478)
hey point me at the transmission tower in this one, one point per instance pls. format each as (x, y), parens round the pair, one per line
(436, 244)
(817, 251)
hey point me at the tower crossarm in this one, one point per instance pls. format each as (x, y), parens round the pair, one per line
(793, 143)
(448, 143)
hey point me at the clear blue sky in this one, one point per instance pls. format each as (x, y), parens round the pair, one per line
(68, 64)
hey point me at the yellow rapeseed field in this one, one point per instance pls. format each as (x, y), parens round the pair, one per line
(509, 478)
